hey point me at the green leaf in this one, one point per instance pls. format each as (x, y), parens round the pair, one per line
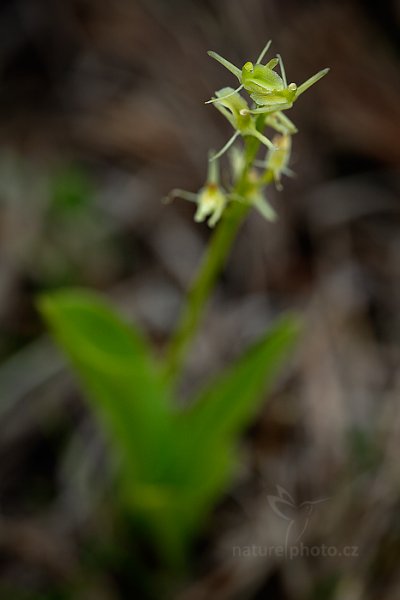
(228, 404)
(174, 464)
(208, 430)
(202, 456)
(118, 374)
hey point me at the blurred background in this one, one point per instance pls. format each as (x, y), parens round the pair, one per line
(101, 114)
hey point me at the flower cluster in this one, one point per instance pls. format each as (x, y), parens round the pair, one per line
(271, 95)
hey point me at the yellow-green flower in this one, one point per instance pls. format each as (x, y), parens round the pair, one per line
(211, 199)
(236, 110)
(269, 90)
(211, 202)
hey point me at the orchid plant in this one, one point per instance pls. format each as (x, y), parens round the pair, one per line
(175, 463)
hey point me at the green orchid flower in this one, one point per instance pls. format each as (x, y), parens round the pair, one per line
(236, 110)
(211, 199)
(269, 90)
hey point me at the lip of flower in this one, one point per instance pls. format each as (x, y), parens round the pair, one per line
(211, 203)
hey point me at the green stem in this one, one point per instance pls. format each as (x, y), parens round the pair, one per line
(213, 262)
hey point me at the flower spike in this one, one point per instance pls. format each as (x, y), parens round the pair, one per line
(267, 86)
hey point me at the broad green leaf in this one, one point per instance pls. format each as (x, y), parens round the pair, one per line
(116, 370)
(174, 465)
(202, 456)
(206, 432)
(229, 402)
